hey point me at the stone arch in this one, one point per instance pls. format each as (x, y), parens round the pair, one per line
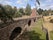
(15, 33)
(29, 22)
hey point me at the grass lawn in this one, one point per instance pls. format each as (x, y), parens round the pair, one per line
(37, 33)
(51, 35)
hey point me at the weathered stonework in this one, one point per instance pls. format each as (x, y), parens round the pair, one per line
(6, 32)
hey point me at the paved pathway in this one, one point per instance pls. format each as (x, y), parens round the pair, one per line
(49, 27)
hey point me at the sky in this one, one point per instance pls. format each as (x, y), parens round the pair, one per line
(44, 4)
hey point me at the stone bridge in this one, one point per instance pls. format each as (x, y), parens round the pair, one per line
(16, 28)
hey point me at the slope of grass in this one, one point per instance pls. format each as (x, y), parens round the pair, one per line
(38, 33)
(51, 35)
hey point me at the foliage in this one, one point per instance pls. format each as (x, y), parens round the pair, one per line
(15, 9)
(28, 10)
(3, 15)
(9, 10)
(52, 12)
(40, 11)
(21, 10)
(18, 14)
(45, 13)
(38, 30)
(7, 13)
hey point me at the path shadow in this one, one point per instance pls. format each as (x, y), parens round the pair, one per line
(34, 36)
(31, 35)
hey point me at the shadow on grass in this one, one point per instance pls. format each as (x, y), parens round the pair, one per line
(33, 35)
(51, 35)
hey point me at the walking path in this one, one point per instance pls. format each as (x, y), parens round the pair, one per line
(49, 26)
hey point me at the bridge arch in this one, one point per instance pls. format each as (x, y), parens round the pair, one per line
(34, 20)
(29, 22)
(15, 33)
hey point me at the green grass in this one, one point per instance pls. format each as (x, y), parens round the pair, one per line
(39, 30)
(51, 35)
(37, 33)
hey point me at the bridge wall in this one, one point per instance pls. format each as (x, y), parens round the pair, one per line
(6, 31)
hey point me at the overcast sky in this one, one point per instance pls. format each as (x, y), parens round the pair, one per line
(44, 4)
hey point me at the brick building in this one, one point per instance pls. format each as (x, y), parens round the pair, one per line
(34, 12)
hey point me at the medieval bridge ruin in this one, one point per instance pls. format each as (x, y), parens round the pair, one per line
(16, 28)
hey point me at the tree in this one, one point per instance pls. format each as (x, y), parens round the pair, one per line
(3, 15)
(14, 10)
(21, 10)
(49, 11)
(9, 10)
(40, 11)
(28, 9)
(45, 13)
(52, 12)
(18, 14)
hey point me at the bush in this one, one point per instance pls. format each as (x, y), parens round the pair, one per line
(51, 21)
(17, 14)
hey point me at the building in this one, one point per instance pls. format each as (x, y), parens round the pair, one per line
(34, 12)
